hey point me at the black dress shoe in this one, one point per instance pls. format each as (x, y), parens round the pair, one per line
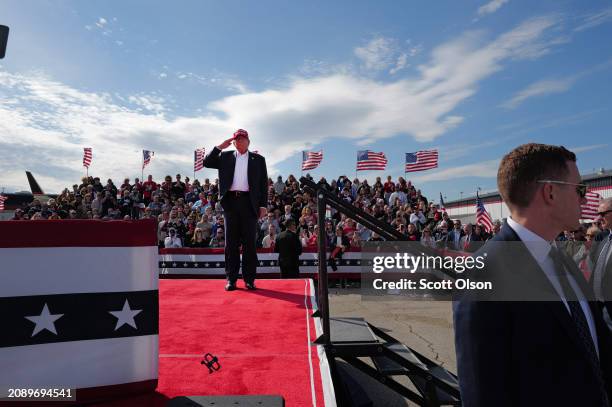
(230, 287)
(250, 286)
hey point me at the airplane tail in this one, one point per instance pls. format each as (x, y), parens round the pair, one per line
(34, 187)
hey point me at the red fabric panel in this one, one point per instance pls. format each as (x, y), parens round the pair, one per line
(78, 233)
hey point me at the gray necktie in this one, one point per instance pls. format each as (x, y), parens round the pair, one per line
(600, 268)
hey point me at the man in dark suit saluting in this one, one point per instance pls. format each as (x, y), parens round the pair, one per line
(243, 188)
(534, 353)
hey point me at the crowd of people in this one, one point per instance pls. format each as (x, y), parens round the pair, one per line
(189, 214)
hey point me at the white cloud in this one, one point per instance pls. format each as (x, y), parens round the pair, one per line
(377, 54)
(402, 62)
(315, 67)
(226, 81)
(552, 86)
(151, 103)
(45, 125)
(42, 119)
(491, 7)
(587, 148)
(539, 88)
(486, 169)
(101, 22)
(382, 53)
(595, 19)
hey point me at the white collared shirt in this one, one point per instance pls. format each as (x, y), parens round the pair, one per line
(540, 249)
(241, 178)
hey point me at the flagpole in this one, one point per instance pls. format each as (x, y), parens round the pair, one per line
(142, 169)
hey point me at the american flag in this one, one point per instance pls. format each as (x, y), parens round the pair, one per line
(421, 160)
(146, 157)
(589, 208)
(2, 199)
(482, 216)
(368, 160)
(198, 159)
(311, 160)
(442, 208)
(87, 155)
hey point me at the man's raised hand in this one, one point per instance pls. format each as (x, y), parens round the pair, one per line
(225, 144)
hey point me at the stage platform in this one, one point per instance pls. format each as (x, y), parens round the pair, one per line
(262, 339)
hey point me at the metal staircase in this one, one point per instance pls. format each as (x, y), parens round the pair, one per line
(355, 341)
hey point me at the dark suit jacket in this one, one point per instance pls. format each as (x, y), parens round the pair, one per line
(289, 248)
(225, 162)
(450, 239)
(598, 244)
(525, 353)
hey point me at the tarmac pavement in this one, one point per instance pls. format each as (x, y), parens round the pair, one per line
(425, 326)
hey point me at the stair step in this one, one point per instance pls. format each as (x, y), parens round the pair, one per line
(351, 330)
(389, 367)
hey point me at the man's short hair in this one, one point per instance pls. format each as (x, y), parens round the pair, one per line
(522, 167)
(289, 223)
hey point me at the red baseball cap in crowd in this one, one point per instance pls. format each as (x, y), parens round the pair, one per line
(240, 133)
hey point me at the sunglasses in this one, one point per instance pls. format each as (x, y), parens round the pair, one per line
(604, 213)
(581, 189)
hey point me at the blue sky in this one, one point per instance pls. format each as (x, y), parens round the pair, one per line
(471, 78)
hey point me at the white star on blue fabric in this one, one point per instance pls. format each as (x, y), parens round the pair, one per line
(45, 320)
(126, 316)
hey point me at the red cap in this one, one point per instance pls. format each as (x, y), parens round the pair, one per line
(240, 133)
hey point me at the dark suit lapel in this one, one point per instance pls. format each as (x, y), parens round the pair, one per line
(250, 167)
(557, 308)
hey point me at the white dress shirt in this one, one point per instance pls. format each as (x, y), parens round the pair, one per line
(540, 249)
(241, 178)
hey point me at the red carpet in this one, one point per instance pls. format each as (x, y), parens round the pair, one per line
(260, 338)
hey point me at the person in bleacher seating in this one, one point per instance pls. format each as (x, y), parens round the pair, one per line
(205, 226)
(172, 241)
(454, 236)
(338, 245)
(413, 234)
(355, 241)
(219, 239)
(270, 238)
(427, 238)
(197, 239)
